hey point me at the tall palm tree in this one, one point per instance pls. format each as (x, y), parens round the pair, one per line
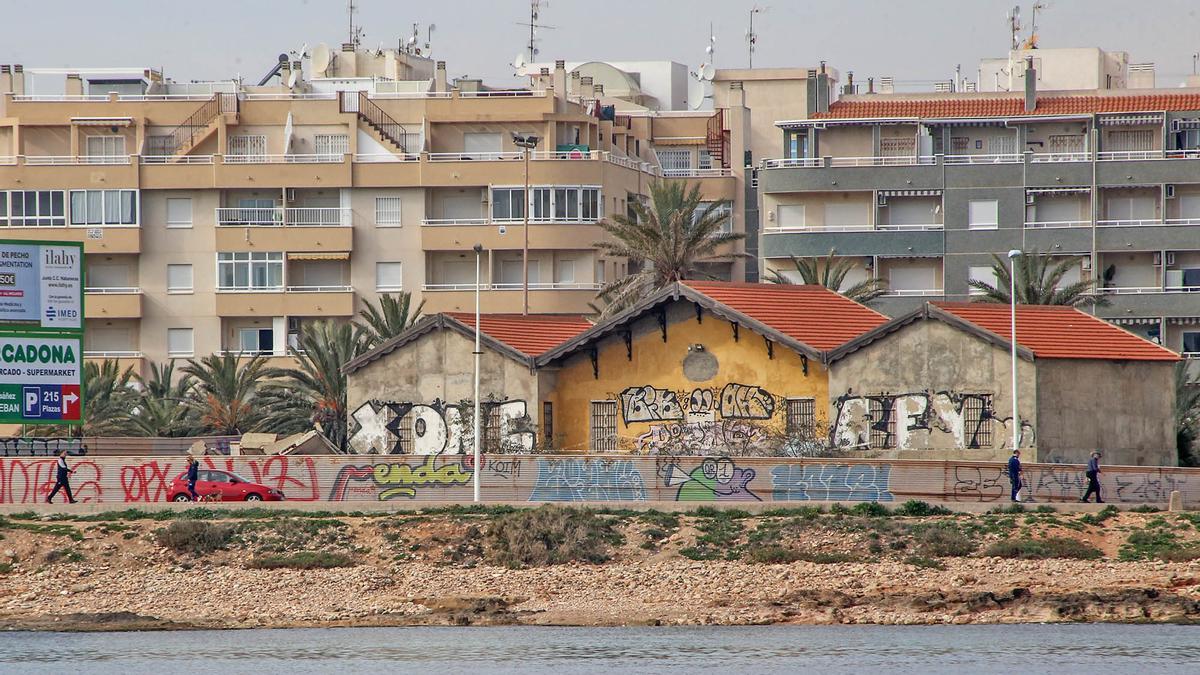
(1039, 277)
(664, 242)
(393, 315)
(831, 273)
(1187, 414)
(162, 408)
(314, 394)
(224, 397)
(108, 398)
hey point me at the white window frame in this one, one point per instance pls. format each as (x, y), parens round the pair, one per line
(251, 260)
(191, 279)
(562, 266)
(181, 353)
(726, 212)
(247, 145)
(179, 224)
(388, 288)
(675, 161)
(110, 204)
(389, 211)
(578, 203)
(972, 224)
(42, 202)
(117, 144)
(331, 146)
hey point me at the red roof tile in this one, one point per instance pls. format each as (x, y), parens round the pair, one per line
(814, 315)
(1060, 332)
(1007, 106)
(531, 335)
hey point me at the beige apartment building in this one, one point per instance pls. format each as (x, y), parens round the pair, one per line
(221, 216)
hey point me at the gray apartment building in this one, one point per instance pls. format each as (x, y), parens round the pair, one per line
(922, 188)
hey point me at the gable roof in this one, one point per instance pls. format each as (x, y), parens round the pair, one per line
(1006, 106)
(520, 338)
(807, 319)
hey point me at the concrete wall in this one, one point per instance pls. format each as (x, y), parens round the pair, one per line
(917, 383)
(1122, 408)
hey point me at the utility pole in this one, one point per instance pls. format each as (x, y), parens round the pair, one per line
(751, 36)
(527, 143)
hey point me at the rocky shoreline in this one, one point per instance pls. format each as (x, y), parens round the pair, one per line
(664, 569)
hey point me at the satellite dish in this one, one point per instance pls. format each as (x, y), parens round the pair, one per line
(303, 50)
(707, 72)
(519, 63)
(291, 81)
(321, 58)
(695, 93)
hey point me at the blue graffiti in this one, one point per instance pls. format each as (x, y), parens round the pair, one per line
(831, 482)
(588, 480)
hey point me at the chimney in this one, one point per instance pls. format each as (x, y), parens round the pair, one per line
(1030, 86)
(870, 85)
(560, 79)
(819, 98)
(574, 86)
(18, 79)
(439, 77)
(849, 83)
(543, 80)
(5, 79)
(598, 91)
(74, 85)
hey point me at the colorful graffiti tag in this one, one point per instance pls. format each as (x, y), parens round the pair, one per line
(701, 421)
(715, 479)
(395, 479)
(438, 428)
(925, 419)
(588, 480)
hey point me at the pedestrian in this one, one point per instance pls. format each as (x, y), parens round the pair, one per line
(1014, 474)
(1093, 476)
(193, 474)
(62, 478)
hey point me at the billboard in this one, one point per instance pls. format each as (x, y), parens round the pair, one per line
(41, 285)
(40, 379)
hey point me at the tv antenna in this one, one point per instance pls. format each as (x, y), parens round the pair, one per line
(356, 32)
(751, 36)
(1014, 26)
(535, 7)
(1032, 41)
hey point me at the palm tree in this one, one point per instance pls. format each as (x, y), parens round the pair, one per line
(831, 273)
(665, 242)
(162, 408)
(224, 397)
(390, 318)
(1039, 277)
(1187, 415)
(314, 394)
(108, 396)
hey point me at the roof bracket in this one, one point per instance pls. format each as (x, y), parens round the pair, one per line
(735, 331)
(804, 364)
(595, 356)
(628, 336)
(662, 321)
(699, 313)
(770, 348)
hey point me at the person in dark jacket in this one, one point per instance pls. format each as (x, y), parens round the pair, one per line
(193, 474)
(62, 478)
(1093, 476)
(1014, 474)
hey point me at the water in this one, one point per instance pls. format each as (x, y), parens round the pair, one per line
(761, 649)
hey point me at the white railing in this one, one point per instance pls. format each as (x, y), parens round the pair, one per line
(177, 159)
(385, 95)
(248, 353)
(504, 93)
(513, 287)
(59, 97)
(550, 220)
(8, 160)
(1126, 155)
(907, 160)
(437, 222)
(319, 289)
(696, 173)
(323, 158)
(318, 96)
(386, 157)
(324, 216)
(627, 162)
(1041, 157)
(794, 163)
(1057, 224)
(1005, 158)
(1190, 355)
(1131, 290)
(1181, 221)
(572, 155)
(854, 228)
(250, 289)
(1148, 222)
(473, 156)
(1192, 153)
(914, 292)
(277, 216)
(112, 290)
(76, 160)
(112, 354)
(909, 228)
(167, 97)
(1181, 289)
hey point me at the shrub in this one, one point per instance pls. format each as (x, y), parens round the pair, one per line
(195, 536)
(919, 509)
(1100, 516)
(720, 532)
(1158, 544)
(302, 560)
(1145, 508)
(941, 540)
(5, 567)
(550, 535)
(1041, 549)
(771, 555)
(922, 561)
(871, 509)
(64, 555)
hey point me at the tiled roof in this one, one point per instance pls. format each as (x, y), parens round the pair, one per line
(1060, 332)
(1006, 106)
(531, 335)
(813, 315)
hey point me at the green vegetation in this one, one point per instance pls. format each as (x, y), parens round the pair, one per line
(550, 535)
(832, 275)
(196, 536)
(943, 540)
(926, 563)
(68, 555)
(720, 533)
(302, 560)
(918, 509)
(1042, 549)
(1100, 516)
(1158, 542)
(6, 567)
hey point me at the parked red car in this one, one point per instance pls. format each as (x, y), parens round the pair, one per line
(224, 486)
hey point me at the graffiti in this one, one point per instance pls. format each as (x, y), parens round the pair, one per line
(30, 481)
(1147, 487)
(978, 484)
(396, 479)
(746, 402)
(700, 406)
(647, 404)
(588, 480)
(716, 479)
(921, 420)
(505, 467)
(699, 437)
(438, 428)
(836, 482)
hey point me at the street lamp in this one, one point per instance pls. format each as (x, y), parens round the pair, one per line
(1012, 302)
(527, 142)
(478, 252)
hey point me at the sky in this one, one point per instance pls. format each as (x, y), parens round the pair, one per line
(914, 41)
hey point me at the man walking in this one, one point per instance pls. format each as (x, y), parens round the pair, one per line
(193, 474)
(1093, 476)
(1014, 474)
(62, 479)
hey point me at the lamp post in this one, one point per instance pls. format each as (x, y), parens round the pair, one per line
(1012, 303)
(475, 436)
(527, 142)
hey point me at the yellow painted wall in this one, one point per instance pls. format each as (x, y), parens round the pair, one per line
(687, 422)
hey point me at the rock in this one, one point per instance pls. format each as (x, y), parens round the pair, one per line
(81, 588)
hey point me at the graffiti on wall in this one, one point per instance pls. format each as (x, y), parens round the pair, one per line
(438, 428)
(389, 480)
(840, 482)
(588, 480)
(914, 420)
(700, 421)
(715, 479)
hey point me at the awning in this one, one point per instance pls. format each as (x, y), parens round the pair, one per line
(1134, 321)
(333, 255)
(1059, 190)
(1184, 320)
(102, 121)
(910, 193)
(1186, 124)
(679, 140)
(1129, 120)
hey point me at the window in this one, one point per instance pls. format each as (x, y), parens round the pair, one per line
(724, 213)
(548, 425)
(387, 211)
(566, 203)
(677, 162)
(32, 208)
(1191, 342)
(790, 216)
(801, 422)
(159, 145)
(179, 212)
(179, 342)
(508, 203)
(250, 271)
(883, 424)
(179, 278)
(984, 273)
(256, 340)
(977, 421)
(388, 277)
(983, 214)
(1131, 141)
(105, 146)
(332, 145)
(603, 427)
(599, 271)
(591, 204)
(482, 142)
(564, 272)
(1135, 208)
(705, 160)
(540, 197)
(247, 146)
(103, 207)
(511, 272)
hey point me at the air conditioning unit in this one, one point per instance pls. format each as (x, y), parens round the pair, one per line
(1157, 259)
(1170, 191)
(1030, 198)
(1170, 258)
(293, 324)
(881, 200)
(290, 194)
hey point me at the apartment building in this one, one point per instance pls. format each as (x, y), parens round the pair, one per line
(222, 216)
(921, 189)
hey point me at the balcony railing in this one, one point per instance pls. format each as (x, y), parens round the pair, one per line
(112, 354)
(438, 222)
(1131, 290)
(320, 289)
(696, 173)
(1057, 224)
(855, 228)
(1128, 155)
(112, 290)
(386, 157)
(279, 216)
(76, 160)
(906, 160)
(569, 155)
(1145, 222)
(322, 158)
(1041, 157)
(502, 286)
(177, 159)
(473, 156)
(250, 289)
(914, 292)
(1002, 158)
(794, 163)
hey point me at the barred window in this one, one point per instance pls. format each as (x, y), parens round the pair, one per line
(801, 418)
(603, 427)
(548, 425)
(977, 421)
(491, 428)
(883, 424)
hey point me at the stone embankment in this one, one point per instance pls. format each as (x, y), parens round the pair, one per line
(554, 566)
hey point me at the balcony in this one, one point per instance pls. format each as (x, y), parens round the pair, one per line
(850, 173)
(286, 301)
(53, 172)
(107, 239)
(320, 230)
(888, 240)
(561, 298)
(284, 217)
(1057, 224)
(112, 303)
(279, 171)
(274, 359)
(126, 359)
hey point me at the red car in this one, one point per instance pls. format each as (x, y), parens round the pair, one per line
(224, 486)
